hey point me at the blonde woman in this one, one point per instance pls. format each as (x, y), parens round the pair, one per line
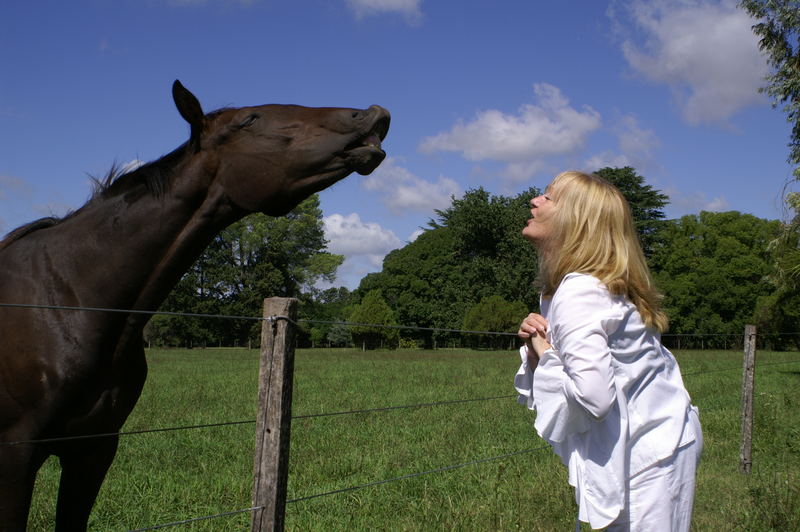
(608, 396)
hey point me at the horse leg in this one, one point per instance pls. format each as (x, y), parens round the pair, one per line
(83, 470)
(17, 476)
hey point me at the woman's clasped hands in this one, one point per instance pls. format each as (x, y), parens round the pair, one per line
(533, 331)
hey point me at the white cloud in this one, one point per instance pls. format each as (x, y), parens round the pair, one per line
(410, 9)
(364, 245)
(635, 141)
(682, 203)
(704, 51)
(348, 235)
(415, 235)
(524, 140)
(718, 204)
(606, 159)
(636, 146)
(402, 191)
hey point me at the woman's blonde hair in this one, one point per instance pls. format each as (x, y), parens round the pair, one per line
(593, 233)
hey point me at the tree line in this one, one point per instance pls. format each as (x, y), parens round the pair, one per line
(470, 269)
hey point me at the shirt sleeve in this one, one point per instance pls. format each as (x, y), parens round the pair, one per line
(523, 380)
(574, 383)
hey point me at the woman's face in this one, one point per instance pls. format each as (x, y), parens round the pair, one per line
(540, 226)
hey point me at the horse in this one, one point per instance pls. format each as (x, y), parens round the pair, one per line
(68, 373)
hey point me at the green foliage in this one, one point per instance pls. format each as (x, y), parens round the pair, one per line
(474, 250)
(646, 203)
(712, 268)
(325, 307)
(494, 257)
(785, 249)
(779, 312)
(421, 283)
(374, 310)
(493, 313)
(338, 336)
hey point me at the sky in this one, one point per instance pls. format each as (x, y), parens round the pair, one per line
(499, 94)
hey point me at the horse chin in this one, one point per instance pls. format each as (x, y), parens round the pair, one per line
(364, 160)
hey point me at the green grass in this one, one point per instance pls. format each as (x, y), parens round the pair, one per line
(165, 477)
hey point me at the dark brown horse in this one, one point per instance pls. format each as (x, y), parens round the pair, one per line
(68, 373)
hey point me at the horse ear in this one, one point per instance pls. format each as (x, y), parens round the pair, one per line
(189, 108)
(187, 104)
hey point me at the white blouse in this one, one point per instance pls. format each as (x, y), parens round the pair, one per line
(608, 396)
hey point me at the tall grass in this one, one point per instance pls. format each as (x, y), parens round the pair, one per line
(171, 476)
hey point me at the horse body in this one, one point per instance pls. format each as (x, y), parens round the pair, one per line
(70, 373)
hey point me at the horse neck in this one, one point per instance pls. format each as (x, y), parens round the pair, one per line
(145, 243)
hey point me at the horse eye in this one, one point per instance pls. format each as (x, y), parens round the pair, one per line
(248, 121)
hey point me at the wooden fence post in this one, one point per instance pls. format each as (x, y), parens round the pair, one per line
(748, 377)
(271, 462)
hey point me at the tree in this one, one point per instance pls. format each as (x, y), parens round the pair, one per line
(473, 250)
(495, 314)
(323, 308)
(646, 203)
(374, 310)
(417, 282)
(494, 257)
(712, 269)
(779, 313)
(338, 336)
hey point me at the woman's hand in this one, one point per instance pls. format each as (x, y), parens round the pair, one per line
(533, 331)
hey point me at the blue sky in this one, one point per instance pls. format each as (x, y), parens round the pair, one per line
(492, 93)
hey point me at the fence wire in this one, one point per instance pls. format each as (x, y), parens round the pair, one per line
(334, 322)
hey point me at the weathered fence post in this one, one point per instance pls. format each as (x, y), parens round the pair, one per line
(271, 463)
(747, 397)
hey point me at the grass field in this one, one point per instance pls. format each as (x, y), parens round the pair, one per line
(165, 477)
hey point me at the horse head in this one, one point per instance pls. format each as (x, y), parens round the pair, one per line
(269, 158)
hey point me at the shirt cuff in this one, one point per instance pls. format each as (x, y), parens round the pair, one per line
(523, 380)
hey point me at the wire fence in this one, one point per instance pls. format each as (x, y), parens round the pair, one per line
(330, 414)
(702, 340)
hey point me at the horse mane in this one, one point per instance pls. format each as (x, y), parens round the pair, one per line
(19, 232)
(155, 177)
